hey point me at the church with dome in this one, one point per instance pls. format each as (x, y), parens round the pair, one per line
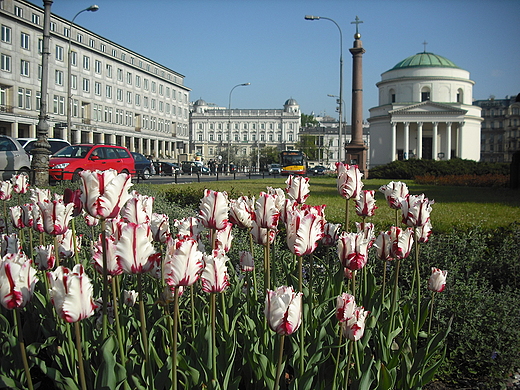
(425, 111)
(244, 131)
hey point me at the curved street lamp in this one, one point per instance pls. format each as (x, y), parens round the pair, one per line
(229, 124)
(312, 17)
(92, 8)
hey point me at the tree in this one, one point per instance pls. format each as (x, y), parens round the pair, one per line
(308, 145)
(308, 121)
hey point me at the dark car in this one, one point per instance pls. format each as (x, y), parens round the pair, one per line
(165, 168)
(190, 167)
(143, 166)
(318, 170)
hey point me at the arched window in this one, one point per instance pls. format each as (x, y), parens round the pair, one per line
(392, 96)
(425, 94)
(460, 96)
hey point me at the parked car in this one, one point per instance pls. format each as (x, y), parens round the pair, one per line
(318, 170)
(190, 167)
(13, 158)
(68, 162)
(275, 169)
(143, 166)
(165, 168)
(55, 143)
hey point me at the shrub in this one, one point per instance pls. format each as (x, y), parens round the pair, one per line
(486, 180)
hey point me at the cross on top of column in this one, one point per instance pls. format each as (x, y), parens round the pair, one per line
(357, 22)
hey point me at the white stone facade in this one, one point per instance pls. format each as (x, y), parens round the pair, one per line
(118, 96)
(425, 111)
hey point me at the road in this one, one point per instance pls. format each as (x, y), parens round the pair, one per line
(183, 179)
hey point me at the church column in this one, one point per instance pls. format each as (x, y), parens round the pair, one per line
(140, 147)
(14, 130)
(448, 140)
(406, 140)
(32, 131)
(460, 126)
(90, 135)
(123, 140)
(419, 140)
(393, 146)
(434, 141)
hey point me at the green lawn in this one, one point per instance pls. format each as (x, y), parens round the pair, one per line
(455, 207)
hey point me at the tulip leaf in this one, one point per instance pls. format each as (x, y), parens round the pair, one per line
(9, 383)
(110, 374)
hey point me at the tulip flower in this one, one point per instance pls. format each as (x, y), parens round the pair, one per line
(266, 212)
(17, 280)
(190, 227)
(37, 219)
(71, 293)
(242, 212)
(423, 232)
(223, 238)
(263, 236)
(10, 244)
(104, 192)
(279, 197)
(40, 195)
(416, 210)
(44, 257)
(349, 180)
(402, 241)
(298, 188)
(395, 193)
(383, 246)
(345, 306)
(160, 226)
(130, 297)
(288, 206)
(367, 229)
(114, 266)
(16, 214)
(247, 263)
(138, 208)
(330, 233)
(215, 277)
(90, 220)
(353, 250)
(354, 328)
(66, 244)
(283, 310)
(55, 216)
(304, 230)
(6, 189)
(74, 197)
(27, 215)
(366, 203)
(20, 183)
(214, 209)
(437, 281)
(182, 263)
(134, 248)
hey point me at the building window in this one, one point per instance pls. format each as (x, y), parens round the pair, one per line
(86, 85)
(74, 58)
(18, 11)
(152, 105)
(79, 37)
(129, 97)
(86, 62)
(161, 89)
(138, 81)
(35, 19)
(425, 94)
(109, 71)
(25, 41)
(145, 101)
(108, 91)
(92, 43)
(38, 100)
(53, 26)
(460, 96)
(137, 99)
(119, 74)
(154, 86)
(119, 94)
(97, 66)
(58, 76)
(5, 63)
(129, 78)
(145, 84)
(40, 45)
(24, 68)
(6, 34)
(103, 48)
(97, 88)
(59, 53)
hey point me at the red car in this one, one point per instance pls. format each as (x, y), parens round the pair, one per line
(68, 162)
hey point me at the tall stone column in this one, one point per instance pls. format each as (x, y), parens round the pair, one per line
(394, 142)
(406, 155)
(356, 151)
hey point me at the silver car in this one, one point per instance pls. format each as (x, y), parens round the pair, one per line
(13, 158)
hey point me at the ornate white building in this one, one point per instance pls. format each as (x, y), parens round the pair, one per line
(118, 96)
(215, 129)
(425, 111)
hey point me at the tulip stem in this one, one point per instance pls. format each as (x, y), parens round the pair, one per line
(104, 296)
(56, 251)
(213, 314)
(21, 344)
(347, 216)
(349, 359)
(279, 366)
(251, 249)
(338, 354)
(267, 266)
(302, 327)
(431, 314)
(115, 292)
(80, 356)
(417, 277)
(144, 335)
(394, 300)
(175, 336)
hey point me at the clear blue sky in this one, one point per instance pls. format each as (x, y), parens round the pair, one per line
(217, 44)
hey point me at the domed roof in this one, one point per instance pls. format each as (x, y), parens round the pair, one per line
(425, 59)
(291, 102)
(200, 102)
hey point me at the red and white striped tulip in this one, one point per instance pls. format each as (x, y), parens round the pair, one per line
(437, 281)
(16, 214)
(160, 226)
(66, 244)
(266, 212)
(242, 212)
(353, 250)
(20, 183)
(40, 195)
(223, 238)
(330, 233)
(215, 277)
(104, 193)
(138, 209)
(247, 263)
(395, 192)
(304, 229)
(298, 188)
(130, 297)
(283, 310)
(56, 216)
(214, 209)
(71, 293)
(366, 203)
(190, 227)
(10, 244)
(416, 210)
(114, 266)
(134, 248)
(45, 257)
(345, 306)
(354, 328)
(349, 180)
(17, 280)
(263, 236)
(183, 262)
(6, 190)
(74, 197)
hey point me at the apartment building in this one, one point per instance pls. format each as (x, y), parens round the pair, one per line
(117, 96)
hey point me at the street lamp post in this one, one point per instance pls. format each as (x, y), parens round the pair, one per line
(229, 124)
(92, 8)
(341, 145)
(312, 17)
